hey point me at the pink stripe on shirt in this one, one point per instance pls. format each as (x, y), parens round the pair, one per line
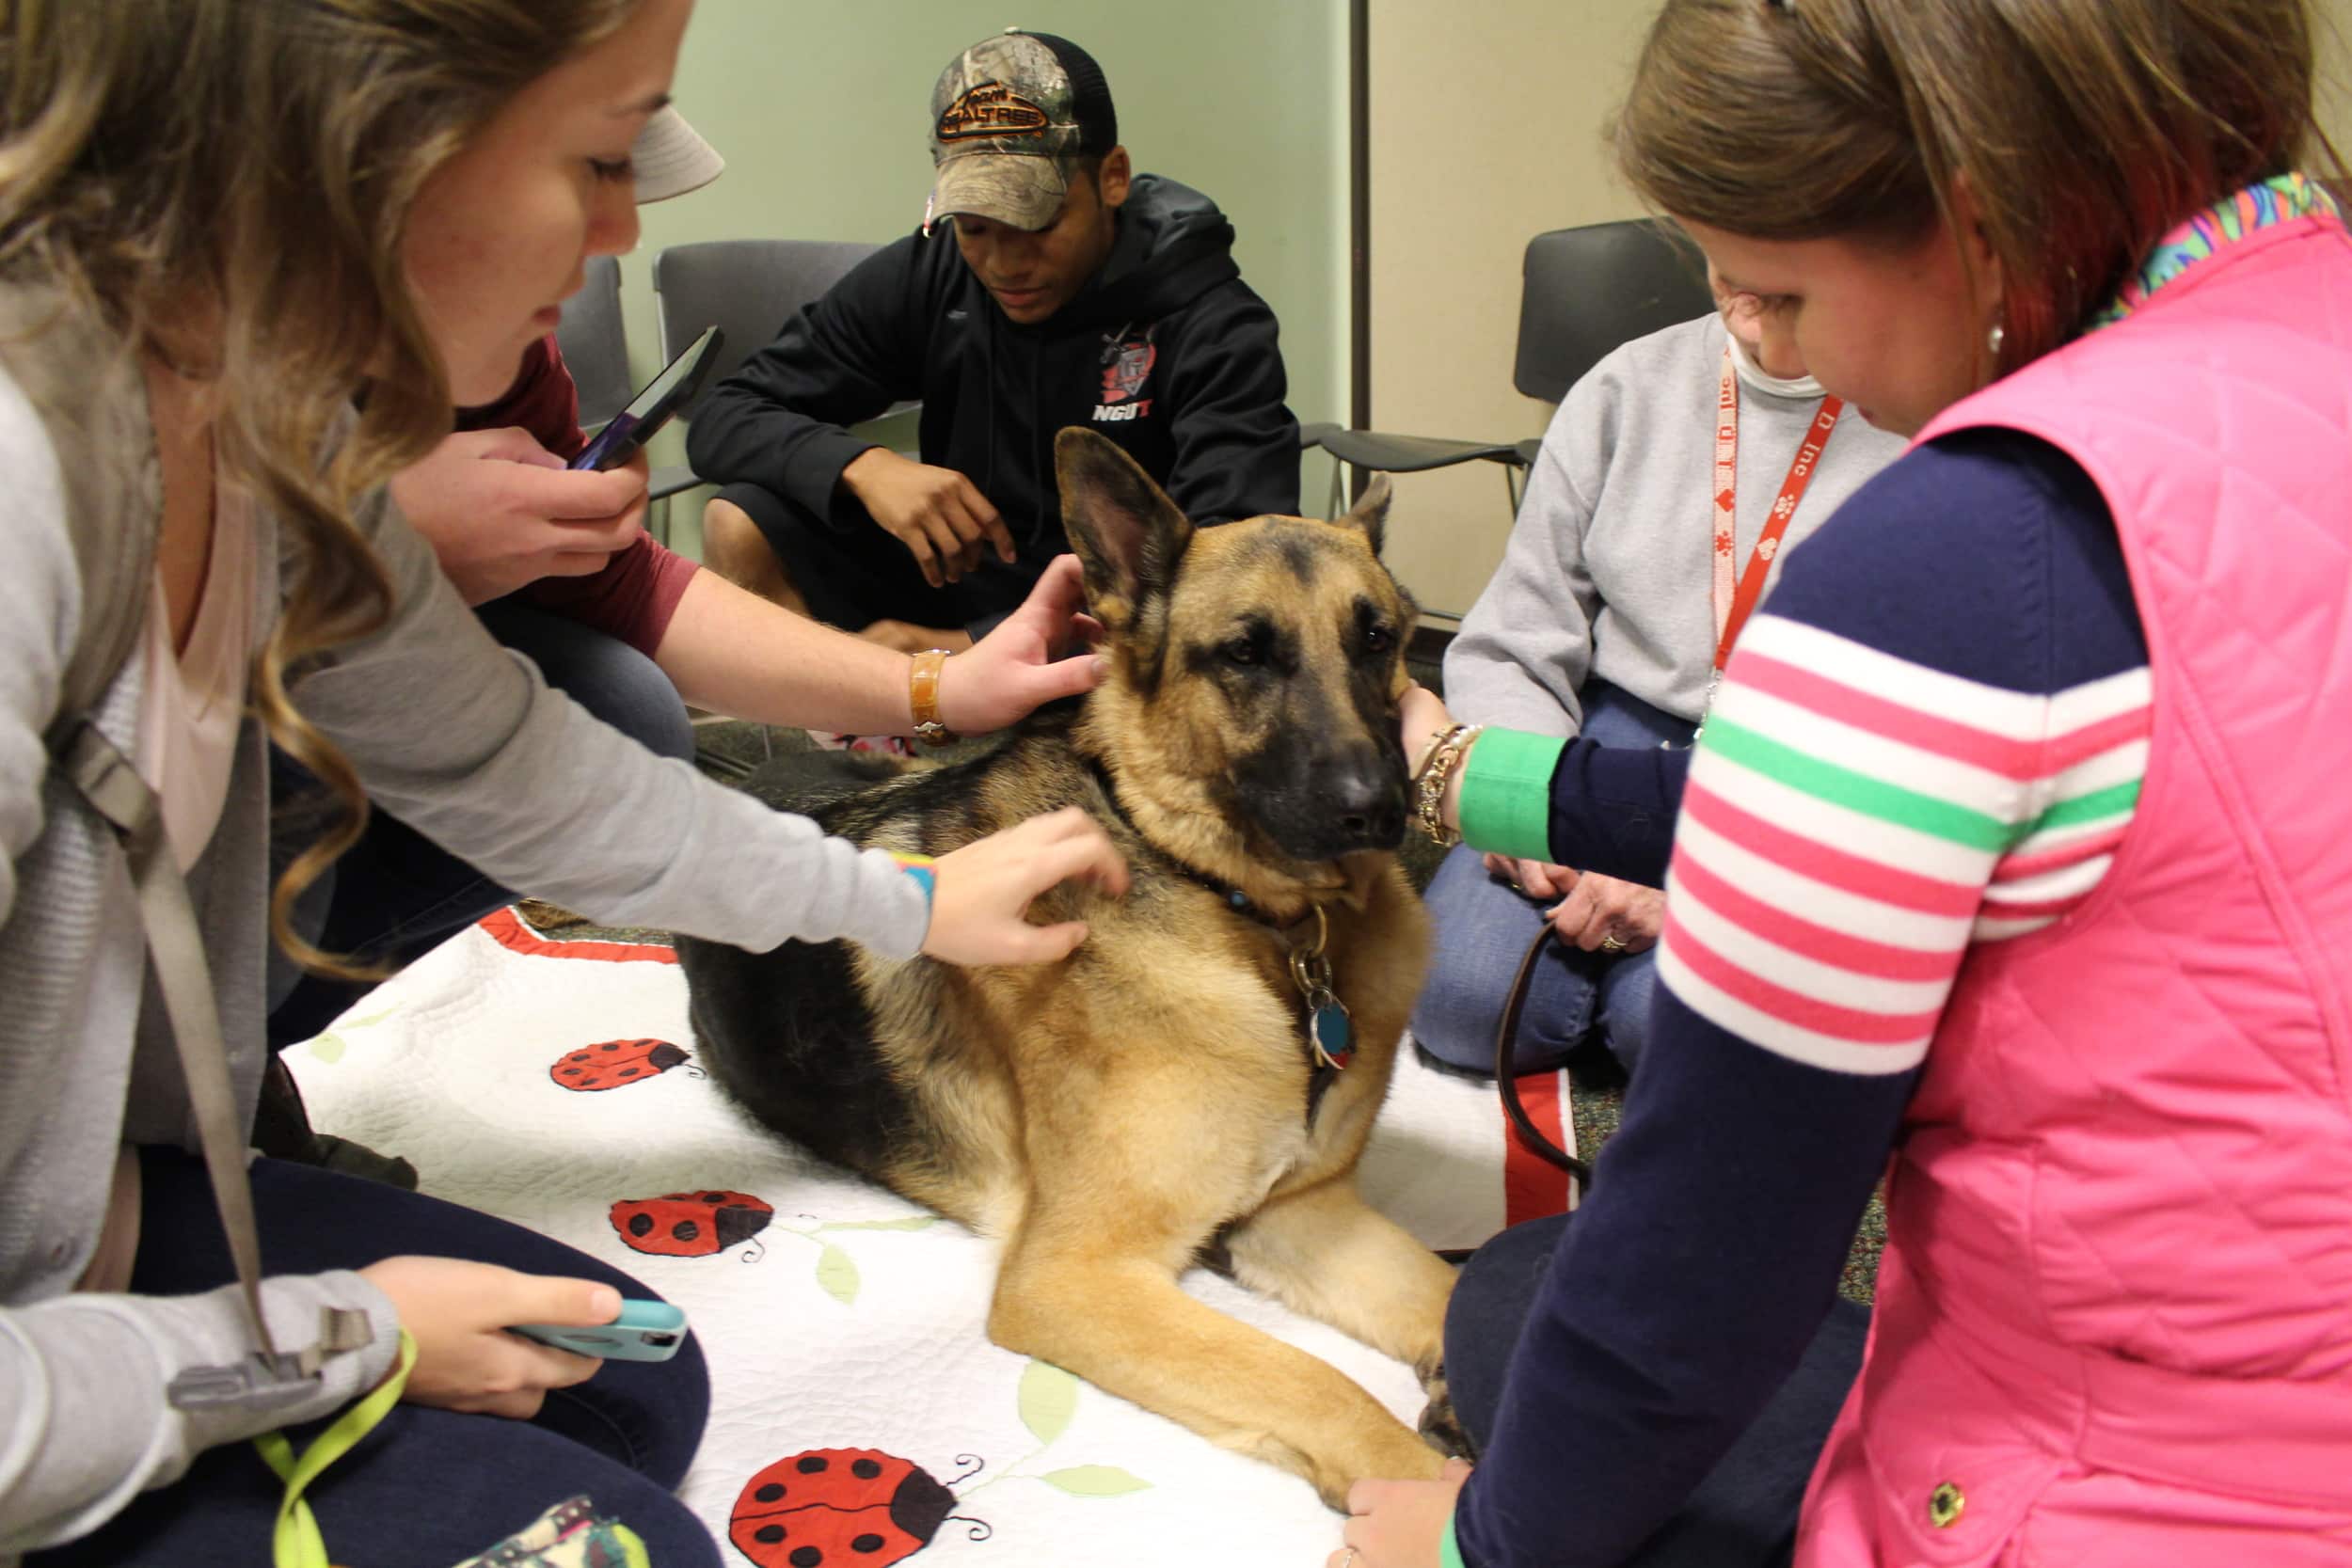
(1864, 878)
(1877, 959)
(2016, 868)
(1928, 732)
(1792, 1008)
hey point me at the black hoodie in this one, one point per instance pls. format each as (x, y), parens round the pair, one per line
(1167, 351)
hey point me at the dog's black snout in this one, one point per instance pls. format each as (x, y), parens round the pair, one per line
(1368, 805)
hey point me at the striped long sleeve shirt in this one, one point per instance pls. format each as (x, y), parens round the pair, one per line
(1932, 736)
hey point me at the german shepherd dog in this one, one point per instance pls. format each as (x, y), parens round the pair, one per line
(1156, 1099)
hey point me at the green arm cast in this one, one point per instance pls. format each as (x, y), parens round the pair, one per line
(1507, 793)
(1449, 1549)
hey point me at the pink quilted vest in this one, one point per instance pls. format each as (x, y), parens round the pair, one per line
(2114, 1327)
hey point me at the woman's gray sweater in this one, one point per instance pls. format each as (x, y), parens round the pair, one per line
(450, 732)
(1608, 568)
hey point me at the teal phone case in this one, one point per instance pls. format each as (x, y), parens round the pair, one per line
(644, 1331)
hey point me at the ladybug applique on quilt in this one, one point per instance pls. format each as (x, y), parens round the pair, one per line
(691, 1225)
(836, 1508)
(614, 1064)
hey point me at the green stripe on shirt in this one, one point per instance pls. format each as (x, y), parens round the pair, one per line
(1507, 793)
(1856, 792)
(2114, 801)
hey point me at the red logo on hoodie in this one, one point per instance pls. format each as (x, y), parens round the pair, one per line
(1127, 367)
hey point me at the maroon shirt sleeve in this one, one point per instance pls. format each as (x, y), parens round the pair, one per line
(633, 597)
(543, 401)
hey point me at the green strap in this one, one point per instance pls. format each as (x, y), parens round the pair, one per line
(1507, 793)
(1449, 1549)
(297, 1542)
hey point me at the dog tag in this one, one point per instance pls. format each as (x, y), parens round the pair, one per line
(1330, 1032)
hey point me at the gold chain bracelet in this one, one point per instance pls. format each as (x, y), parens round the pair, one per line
(1438, 764)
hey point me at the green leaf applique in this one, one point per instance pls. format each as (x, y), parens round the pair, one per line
(1095, 1481)
(836, 1271)
(1048, 1399)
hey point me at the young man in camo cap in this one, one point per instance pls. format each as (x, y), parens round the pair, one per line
(1048, 286)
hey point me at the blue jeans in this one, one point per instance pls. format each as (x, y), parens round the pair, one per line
(1744, 1513)
(427, 1487)
(1485, 925)
(396, 894)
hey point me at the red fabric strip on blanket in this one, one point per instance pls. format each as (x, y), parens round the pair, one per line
(1533, 1186)
(506, 929)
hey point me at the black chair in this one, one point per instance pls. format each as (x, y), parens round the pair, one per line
(747, 288)
(1583, 292)
(594, 344)
(596, 350)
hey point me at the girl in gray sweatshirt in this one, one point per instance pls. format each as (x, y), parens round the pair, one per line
(1603, 621)
(194, 310)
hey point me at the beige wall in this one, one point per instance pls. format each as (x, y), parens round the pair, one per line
(1486, 128)
(1486, 121)
(2335, 71)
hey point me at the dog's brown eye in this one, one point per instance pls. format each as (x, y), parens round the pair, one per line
(1378, 639)
(1241, 650)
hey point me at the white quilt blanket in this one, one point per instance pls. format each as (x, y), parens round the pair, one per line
(833, 1314)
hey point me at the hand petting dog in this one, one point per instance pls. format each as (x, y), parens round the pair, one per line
(1021, 664)
(1399, 1524)
(982, 890)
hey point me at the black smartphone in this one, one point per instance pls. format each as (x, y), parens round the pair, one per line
(663, 396)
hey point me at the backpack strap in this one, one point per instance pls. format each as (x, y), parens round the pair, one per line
(106, 779)
(91, 398)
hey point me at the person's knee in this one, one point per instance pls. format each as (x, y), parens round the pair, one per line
(1491, 1300)
(635, 697)
(617, 682)
(739, 549)
(1483, 930)
(1625, 1000)
(1460, 1006)
(731, 542)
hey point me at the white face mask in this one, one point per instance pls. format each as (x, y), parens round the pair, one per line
(1800, 387)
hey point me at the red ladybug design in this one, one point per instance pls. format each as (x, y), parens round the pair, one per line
(691, 1225)
(834, 1508)
(616, 1063)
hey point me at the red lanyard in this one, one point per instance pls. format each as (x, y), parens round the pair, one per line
(1732, 609)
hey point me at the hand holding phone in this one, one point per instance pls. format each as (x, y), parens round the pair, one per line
(652, 407)
(644, 1331)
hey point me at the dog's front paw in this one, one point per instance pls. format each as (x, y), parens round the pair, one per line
(1440, 1428)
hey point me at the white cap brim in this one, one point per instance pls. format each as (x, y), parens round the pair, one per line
(671, 158)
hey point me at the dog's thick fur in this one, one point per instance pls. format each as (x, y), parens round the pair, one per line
(1114, 1115)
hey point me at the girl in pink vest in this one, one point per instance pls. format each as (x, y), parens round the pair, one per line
(2013, 863)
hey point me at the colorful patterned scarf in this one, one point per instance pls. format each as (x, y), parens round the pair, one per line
(2273, 201)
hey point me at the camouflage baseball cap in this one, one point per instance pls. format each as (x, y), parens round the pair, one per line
(1011, 117)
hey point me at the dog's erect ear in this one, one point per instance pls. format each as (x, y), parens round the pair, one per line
(1370, 513)
(1128, 534)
